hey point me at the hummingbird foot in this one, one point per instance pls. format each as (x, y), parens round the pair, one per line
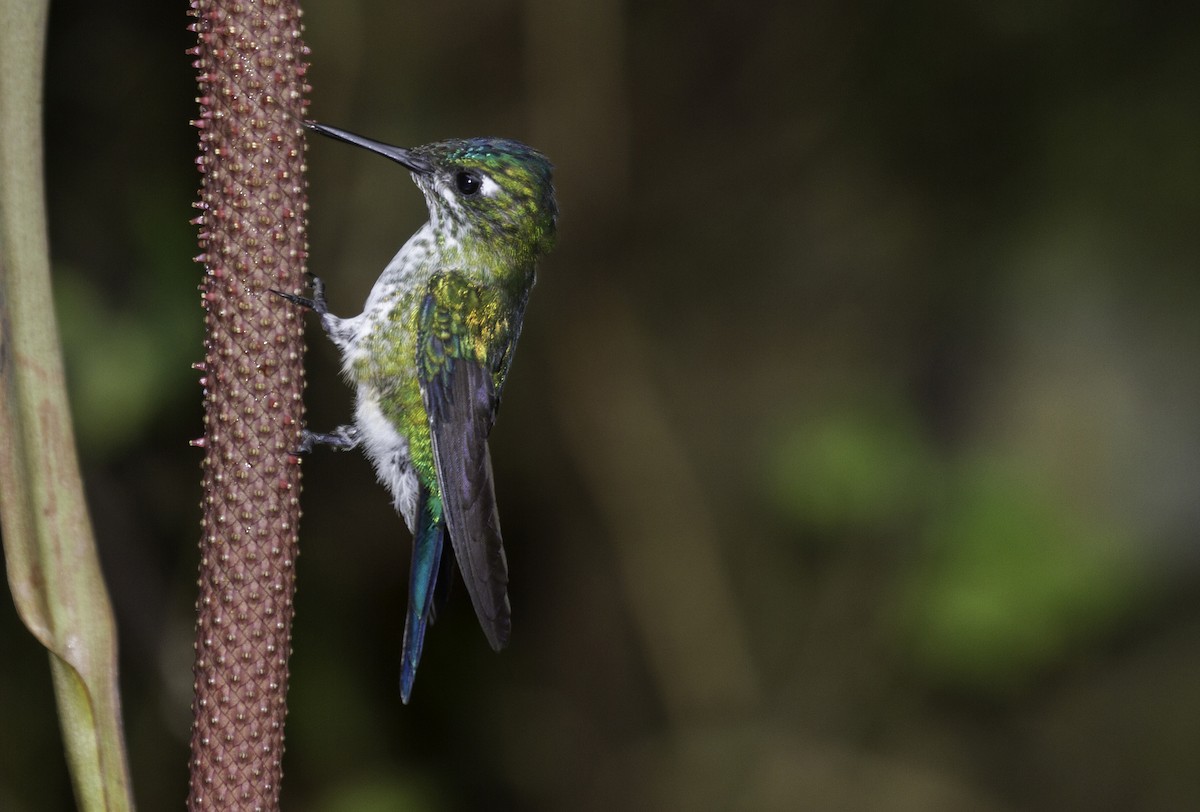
(343, 438)
(316, 303)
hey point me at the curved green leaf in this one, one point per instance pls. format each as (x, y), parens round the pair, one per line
(53, 570)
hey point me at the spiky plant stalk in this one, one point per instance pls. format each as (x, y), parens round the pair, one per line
(251, 62)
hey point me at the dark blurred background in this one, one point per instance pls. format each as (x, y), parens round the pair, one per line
(850, 456)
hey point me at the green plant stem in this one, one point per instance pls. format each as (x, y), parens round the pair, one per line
(53, 569)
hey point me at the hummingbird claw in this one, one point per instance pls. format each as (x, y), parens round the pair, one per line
(316, 303)
(343, 438)
(306, 444)
(308, 304)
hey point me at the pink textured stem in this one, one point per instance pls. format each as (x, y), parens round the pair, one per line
(251, 62)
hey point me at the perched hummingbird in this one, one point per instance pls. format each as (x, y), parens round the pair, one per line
(429, 355)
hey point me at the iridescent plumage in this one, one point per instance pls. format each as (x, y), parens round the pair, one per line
(429, 356)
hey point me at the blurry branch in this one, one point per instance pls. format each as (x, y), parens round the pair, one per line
(579, 105)
(610, 410)
(681, 602)
(251, 62)
(53, 569)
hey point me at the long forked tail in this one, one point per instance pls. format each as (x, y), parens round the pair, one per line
(423, 592)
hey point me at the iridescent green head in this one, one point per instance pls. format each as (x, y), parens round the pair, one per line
(492, 189)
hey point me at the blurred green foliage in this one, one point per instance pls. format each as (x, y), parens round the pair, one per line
(907, 292)
(854, 468)
(1014, 582)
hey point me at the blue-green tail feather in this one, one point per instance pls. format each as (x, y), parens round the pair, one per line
(423, 590)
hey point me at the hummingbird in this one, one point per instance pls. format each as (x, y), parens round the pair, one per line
(429, 356)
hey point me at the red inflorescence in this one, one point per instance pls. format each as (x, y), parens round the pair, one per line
(250, 65)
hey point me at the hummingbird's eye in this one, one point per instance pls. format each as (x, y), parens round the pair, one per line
(467, 182)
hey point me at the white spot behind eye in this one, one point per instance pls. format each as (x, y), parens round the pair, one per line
(487, 186)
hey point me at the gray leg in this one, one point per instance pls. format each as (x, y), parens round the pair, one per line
(343, 438)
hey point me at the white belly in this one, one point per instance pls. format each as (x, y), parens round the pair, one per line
(388, 451)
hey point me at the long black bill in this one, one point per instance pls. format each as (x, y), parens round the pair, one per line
(400, 155)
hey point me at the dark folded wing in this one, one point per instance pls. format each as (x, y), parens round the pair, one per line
(457, 363)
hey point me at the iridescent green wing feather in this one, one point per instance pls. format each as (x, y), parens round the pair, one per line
(463, 337)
